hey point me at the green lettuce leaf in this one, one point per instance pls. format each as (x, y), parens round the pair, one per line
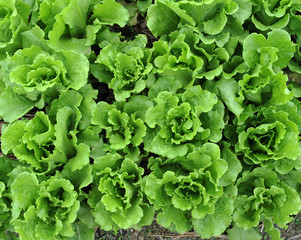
(110, 12)
(273, 52)
(217, 222)
(47, 142)
(237, 233)
(178, 55)
(6, 166)
(213, 20)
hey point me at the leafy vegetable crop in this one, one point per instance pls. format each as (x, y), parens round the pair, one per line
(114, 113)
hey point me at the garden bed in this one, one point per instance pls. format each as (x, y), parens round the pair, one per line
(116, 113)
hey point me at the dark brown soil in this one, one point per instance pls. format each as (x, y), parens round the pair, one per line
(156, 232)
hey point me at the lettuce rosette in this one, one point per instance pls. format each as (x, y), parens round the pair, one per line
(181, 122)
(121, 129)
(124, 66)
(176, 56)
(263, 197)
(58, 139)
(74, 24)
(264, 83)
(272, 14)
(261, 88)
(14, 19)
(34, 143)
(271, 138)
(43, 210)
(264, 89)
(123, 124)
(189, 191)
(6, 166)
(214, 20)
(185, 57)
(116, 199)
(34, 77)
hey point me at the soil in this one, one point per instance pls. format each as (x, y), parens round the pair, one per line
(156, 232)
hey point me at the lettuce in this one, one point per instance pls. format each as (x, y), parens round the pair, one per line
(271, 14)
(180, 122)
(259, 89)
(273, 53)
(53, 11)
(295, 30)
(178, 54)
(271, 138)
(36, 146)
(14, 20)
(116, 112)
(263, 197)
(110, 12)
(117, 200)
(121, 129)
(34, 76)
(124, 66)
(264, 84)
(6, 166)
(187, 193)
(186, 54)
(74, 24)
(264, 89)
(212, 19)
(46, 142)
(43, 210)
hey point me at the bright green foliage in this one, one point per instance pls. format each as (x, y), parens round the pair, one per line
(241, 234)
(178, 55)
(124, 66)
(48, 209)
(273, 14)
(262, 88)
(265, 83)
(212, 19)
(265, 89)
(69, 25)
(121, 129)
(114, 113)
(263, 197)
(14, 19)
(117, 199)
(188, 187)
(48, 141)
(34, 142)
(55, 13)
(186, 54)
(33, 76)
(272, 53)
(110, 12)
(271, 138)
(6, 166)
(180, 122)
